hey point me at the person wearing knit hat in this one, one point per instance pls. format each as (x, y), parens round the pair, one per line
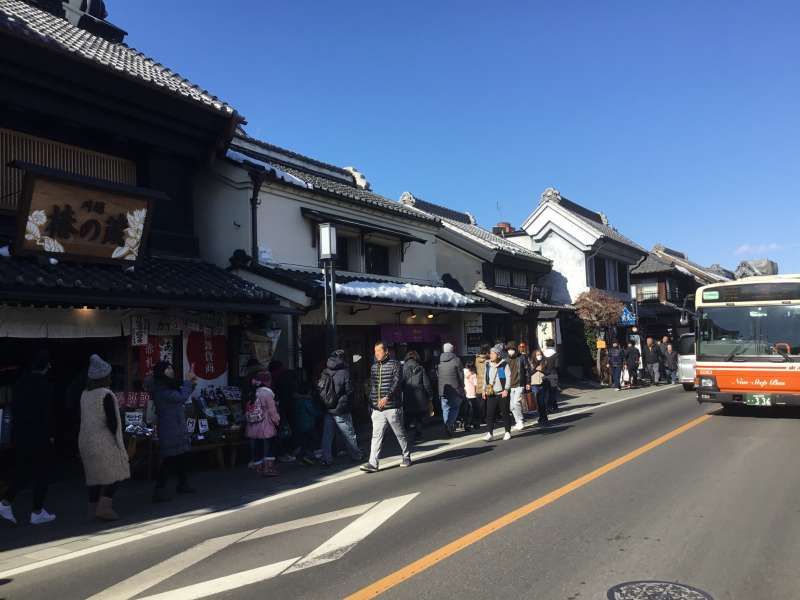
(496, 390)
(450, 373)
(102, 450)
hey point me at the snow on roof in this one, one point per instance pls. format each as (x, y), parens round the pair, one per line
(279, 173)
(403, 292)
(684, 271)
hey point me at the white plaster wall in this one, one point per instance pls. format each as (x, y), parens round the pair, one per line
(568, 277)
(221, 201)
(467, 269)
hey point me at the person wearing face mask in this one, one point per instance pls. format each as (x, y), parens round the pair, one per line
(174, 443)
(496, 392)
(537, 386)
(519, 379)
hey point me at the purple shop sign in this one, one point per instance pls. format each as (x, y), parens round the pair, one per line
(413, 334)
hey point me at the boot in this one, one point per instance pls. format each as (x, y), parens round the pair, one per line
(269, 469)
(105, 511)
(92, 510)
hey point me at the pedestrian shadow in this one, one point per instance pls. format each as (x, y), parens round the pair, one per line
(457, 454)
(569, 407)
(540, 430)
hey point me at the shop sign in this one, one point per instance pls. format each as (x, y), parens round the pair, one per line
(413, 334)
(135, 417)
(190, 425)
(202, 426)
(627, 318)
(138, 331)
(70, 220)
(207, 354)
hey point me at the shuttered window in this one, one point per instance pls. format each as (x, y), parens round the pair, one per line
(72, 159)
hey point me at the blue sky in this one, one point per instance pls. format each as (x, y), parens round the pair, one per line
(678, 120)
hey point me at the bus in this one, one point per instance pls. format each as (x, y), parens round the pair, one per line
(748, 342)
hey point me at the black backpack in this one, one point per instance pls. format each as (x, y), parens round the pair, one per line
(327, 390)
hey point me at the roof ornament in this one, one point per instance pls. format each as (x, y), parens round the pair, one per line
(471, 217)
(408, 199)
(550, 195)
(359, 178)
(603, 218)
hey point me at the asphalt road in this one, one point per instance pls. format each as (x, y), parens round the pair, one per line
(715, 506)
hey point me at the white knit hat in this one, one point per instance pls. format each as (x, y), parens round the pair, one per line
(448, 347)
(98, 368)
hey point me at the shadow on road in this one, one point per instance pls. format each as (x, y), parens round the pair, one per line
(758, 412)
(457, 454)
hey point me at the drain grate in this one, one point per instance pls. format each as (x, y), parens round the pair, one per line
(656, 590)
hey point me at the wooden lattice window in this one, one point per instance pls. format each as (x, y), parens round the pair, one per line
(72, 159)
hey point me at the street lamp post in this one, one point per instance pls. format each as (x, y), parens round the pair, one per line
(327, 254)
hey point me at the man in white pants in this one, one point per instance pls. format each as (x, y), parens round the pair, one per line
(517, 366)
(387, 406)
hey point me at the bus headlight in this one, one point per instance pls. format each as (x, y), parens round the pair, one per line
(708, 382)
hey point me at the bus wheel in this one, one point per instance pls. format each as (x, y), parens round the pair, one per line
(688, 387)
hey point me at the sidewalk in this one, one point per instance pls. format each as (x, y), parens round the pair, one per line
(218, 491)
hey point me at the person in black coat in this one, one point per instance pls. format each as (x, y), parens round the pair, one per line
(417, 392)
(339, 417)
(616, 358)
(31, 407)
(632, 356)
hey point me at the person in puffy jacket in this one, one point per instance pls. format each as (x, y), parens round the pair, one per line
(496, 390)
(174, 442)
(451, 387)
(263, 420)
(671, 364)
(417, 392)
(339, 418)
(387, 406)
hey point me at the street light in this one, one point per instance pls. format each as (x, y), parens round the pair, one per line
(327, 253)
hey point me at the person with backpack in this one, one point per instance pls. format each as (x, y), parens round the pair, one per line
(263, 420)
(451, 387)
(336, 392)
(496, 390)
(417, 392)
(551, 376)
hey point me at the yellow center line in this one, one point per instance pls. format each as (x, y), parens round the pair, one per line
(435, 557)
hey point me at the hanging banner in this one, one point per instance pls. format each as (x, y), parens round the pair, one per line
(208, 355)
(139, 331)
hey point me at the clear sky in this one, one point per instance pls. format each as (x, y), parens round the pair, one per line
(679, 120)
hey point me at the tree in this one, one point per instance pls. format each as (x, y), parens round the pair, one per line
(597, 310)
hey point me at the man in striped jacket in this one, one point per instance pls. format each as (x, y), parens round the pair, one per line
(387, 406)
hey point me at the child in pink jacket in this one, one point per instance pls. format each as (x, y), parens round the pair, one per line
(263, 420)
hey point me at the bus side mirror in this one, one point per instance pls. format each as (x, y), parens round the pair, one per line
(684, 319)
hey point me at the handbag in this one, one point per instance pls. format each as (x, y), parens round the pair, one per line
(254, 413)
(490, 391)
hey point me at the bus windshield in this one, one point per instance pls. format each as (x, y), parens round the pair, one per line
(755, 332)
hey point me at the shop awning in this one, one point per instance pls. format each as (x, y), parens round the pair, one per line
(152, 283)
(518, 305)
(372, 289)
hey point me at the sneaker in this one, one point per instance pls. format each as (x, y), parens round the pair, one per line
(406, 462)
(6, 512)
(42, 517)
(307, 460)
(507, 436)
(368, 468)
(518, 427)
(286, 458)
(488, 437)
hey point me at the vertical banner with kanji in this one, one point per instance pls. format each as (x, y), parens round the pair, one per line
(209, 355)
(158, 348)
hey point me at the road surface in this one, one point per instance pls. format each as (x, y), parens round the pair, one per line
(652, 488)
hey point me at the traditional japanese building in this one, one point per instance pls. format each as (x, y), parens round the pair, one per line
(99, 148)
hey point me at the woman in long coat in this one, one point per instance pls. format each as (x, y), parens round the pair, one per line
(417, 392)
(174, 441)
(105, 460)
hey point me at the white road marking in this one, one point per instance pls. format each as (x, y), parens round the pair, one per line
(225, 584)
(151, 577)
(333, 549)
(347, 538)
(135, 537)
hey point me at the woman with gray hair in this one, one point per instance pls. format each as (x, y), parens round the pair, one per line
(105, 460)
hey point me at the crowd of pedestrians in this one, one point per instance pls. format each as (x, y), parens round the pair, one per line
(659, 361)
(288, 421)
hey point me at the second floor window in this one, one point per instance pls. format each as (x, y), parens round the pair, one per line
(622, 277)
(600, 280)
(519, 280)
(342, 253)
(376, 259)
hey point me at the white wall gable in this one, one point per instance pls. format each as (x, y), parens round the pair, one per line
(549, 218)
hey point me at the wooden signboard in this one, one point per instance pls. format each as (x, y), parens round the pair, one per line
(66, 218)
